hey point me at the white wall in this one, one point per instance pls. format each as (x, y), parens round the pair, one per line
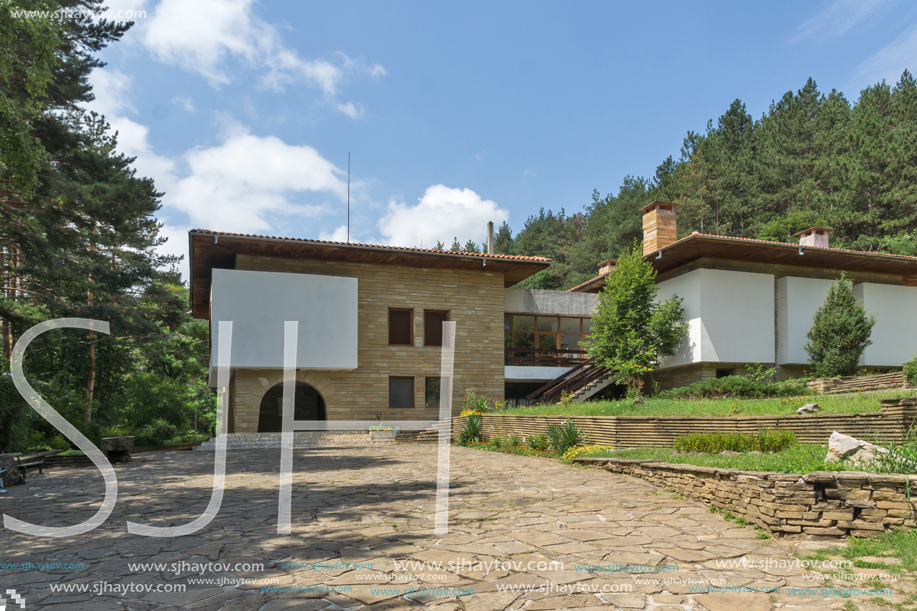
(518, 373)
(534, 301)
(797, 301)
(730, 316)
(894, 336)
(259, 303)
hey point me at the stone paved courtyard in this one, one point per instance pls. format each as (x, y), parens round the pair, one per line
(573, 538)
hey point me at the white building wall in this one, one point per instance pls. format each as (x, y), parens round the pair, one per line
(894, 336)
(730, 316)
(688, 287)
(797, 301)
(519, 373)
(535, 301)
(258, 304)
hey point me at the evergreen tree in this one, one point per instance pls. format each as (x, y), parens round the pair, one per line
(470, 246)
(840, 332)
(503, 240)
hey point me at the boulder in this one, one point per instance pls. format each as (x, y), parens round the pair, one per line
(11, 477)
(117, 449)
(857, 451)
(808, 408)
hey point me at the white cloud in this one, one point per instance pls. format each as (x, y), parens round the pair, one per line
(528, 173)
(888, 63)
(441, 214)
(836, 19)
(338, 235)
(202, 36)
(237, 185)
(111, 100)
(185, 102)
(240, 185)
(176, 244)
(350, 110)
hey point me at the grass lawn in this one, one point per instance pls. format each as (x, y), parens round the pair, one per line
(830, 404)
(798, 458)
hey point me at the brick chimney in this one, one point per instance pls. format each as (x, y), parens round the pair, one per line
(814, 236)
(606, 266)
(658, 226)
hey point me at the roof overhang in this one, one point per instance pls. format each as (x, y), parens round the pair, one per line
(702, 246)
(212, 249)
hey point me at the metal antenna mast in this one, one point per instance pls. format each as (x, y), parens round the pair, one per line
(348, 197)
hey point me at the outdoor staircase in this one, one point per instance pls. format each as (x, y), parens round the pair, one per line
(428, 435)
(582, 382)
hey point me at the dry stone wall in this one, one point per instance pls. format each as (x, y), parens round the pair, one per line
(892, 423)
(825, 504)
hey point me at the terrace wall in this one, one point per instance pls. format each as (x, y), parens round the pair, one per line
(824, 504)
(892, 423)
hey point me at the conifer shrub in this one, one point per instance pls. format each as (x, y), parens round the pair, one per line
(840, 332)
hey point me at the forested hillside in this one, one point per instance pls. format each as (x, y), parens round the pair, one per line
(812, 159)
(77, 239)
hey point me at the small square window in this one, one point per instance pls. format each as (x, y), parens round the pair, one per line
(400, 327)
(725, 373)
(433, 327)
(401, 392)
(431, 392)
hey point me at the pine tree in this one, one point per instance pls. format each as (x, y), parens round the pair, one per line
(840, 332)
(503, 240)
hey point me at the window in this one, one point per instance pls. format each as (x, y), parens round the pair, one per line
(400, 327)
(545, 340)
(433, 327)
(400, 392)
(723, 373)
(431, 388)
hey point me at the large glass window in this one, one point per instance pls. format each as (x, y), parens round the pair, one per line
(400, 327)
(400, 392)
(544, 339)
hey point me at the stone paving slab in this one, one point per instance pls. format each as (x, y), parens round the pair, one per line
(525, 533)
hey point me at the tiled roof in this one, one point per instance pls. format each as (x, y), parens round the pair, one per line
(360, 245)
(735, 239)
(805, 247)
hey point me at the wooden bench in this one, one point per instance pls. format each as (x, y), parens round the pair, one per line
(32, 461)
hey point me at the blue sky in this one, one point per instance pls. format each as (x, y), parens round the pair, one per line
(454, 114)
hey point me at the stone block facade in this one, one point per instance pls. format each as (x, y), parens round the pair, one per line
(825, 504)
(474, 301)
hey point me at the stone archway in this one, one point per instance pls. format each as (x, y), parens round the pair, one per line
(307, 405)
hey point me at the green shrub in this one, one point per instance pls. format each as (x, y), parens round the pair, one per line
(156, 434)
(733, 387)
(910, 370)
(840, 332)
(563, 438)
(512, 440)
(766, 440)
(473, 429)
(538, 442)
(475, 403)
(59, 442)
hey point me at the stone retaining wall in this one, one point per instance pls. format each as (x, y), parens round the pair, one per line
(301, 439)
(889, 424)
(830, 386)
(821, 504)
